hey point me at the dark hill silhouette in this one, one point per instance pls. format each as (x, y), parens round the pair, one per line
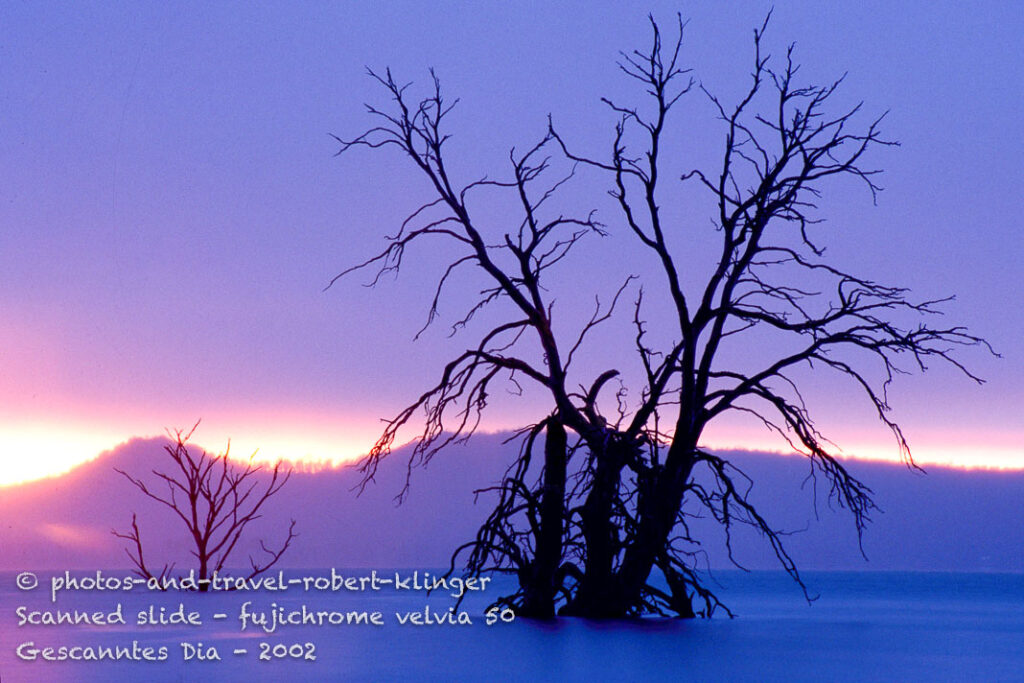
(949, 519)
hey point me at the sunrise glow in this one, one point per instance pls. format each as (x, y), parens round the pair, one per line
(44, 450)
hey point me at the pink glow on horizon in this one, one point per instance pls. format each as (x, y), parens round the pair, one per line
(310, 441)
(41, 447)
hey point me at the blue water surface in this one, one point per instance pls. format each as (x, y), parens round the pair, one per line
(864, 626)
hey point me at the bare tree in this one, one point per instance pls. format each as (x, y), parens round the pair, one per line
(216, 499)
(525, 348)
(589, 534)
(770, 274)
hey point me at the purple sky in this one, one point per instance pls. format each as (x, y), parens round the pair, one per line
(170, 208)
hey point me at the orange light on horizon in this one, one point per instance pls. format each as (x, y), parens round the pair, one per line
(925, 453)
(39, 450)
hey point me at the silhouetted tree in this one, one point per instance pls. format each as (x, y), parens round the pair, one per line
(589, 530)
(216, 499)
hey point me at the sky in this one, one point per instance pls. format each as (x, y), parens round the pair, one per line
(171, 208)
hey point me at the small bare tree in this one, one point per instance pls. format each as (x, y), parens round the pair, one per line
(216, 500)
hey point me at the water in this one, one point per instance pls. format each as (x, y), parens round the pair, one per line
(883, 626)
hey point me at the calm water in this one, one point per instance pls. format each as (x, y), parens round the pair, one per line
(864, 627)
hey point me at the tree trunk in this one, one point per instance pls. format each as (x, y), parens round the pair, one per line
(604, 592)
(204, 585)
(601, 536)
(541, 588)
(657, 511)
